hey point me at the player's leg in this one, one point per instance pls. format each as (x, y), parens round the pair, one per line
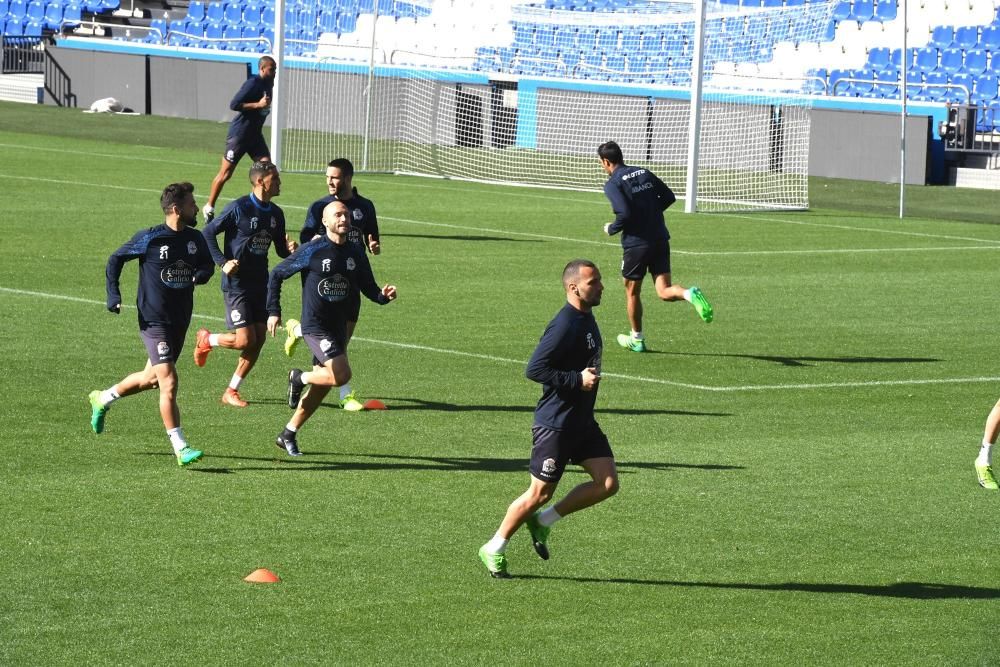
(493, 553)
(593, 453)
(659, 266)
(348, 401)
(166, 379)
(633, 272)
(319, 382)
(133, 383)
(226, 168)
(249, 340)
(984, 462)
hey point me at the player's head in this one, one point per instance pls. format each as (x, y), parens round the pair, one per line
(178, 200)
(266, 67)
(265, 180)
(339, 174)
(582, 281)
(610, 154)
(337, 217)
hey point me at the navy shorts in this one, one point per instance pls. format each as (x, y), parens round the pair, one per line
(325, 347)
(637, 260)
(237, 147)
(552, 450)
(163, 342)
(244, 308)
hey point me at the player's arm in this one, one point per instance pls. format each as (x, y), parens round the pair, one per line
(619, 205)
(663, 192)
(287, 268)
(283, 245)
(543, 366)
(311, 227)
(133, 249)
(211, 231)
(370, 288)
(241, 101)
(372, 239)
(205, 269)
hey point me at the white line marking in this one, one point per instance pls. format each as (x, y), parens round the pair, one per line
(618, 376)
(115, 156)
(865, 229)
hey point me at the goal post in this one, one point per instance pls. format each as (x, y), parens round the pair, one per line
(537, 118)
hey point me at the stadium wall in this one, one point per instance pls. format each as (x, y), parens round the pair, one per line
(848, 139)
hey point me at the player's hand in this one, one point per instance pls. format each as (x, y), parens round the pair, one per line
(607, 229)
(291, 244)
(389, 292)
(590, 379)
(230, 267)
(273, 324)
(265, 102)
(373, 245)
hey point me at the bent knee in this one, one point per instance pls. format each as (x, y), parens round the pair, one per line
(610, 486)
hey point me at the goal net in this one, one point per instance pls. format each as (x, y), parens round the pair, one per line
(531, 108)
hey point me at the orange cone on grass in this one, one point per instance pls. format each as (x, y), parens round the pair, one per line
(262, 576)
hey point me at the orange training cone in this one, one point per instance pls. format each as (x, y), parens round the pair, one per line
(375, 404)
(262, 576)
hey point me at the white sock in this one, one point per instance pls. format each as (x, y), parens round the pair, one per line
(235, 383)
(497, 545)
(177, 440)
(985, 454)
(109, 396)
(550, 516)
(636, 335)
(297, 331)
(303, 377)
(290, 427)
(345, 389)
(687, 295)
(213, 340)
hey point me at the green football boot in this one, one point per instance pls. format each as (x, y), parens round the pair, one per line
(984, 473)
(292, 340)
(97, 411)
(495, 563)
(539, 534)
(188, 456)
(701, 304)
(351, 403)
(634, 344)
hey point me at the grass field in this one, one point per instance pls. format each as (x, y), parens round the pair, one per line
(796, 477)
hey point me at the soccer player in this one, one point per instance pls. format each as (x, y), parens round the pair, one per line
(334, 269)
(252, 104)
(364, 231)
(984, 462)
(173, 258)
(638, 199)
(567, 363)
(250, 225)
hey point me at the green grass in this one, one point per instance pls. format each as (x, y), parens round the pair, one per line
(796, 478)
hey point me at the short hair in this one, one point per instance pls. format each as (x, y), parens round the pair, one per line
(572, 270)
(175, 194)
(264, 60)
(344, 165)
(260, 168)
(611, 152)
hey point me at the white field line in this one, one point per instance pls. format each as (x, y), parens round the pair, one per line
(617, 376)
(615, 244)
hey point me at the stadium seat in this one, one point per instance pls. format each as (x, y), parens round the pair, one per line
(942, 37)
(968, 82)
(843, 88)
(896, 58)
(215, 12)
(986, 87)
(35, 11)
(933, 90)
(887, 82)
(157, 32)
(985, 119)
(975, 61)
(863, 10)
(878, 57)
(252, 15)
(926, 59)
(14, 27)
(815, 82)
(842, 12)
(347, 22)
(54, 15)
(865, 83)
(233, 13)
(33, 29)
(951, 60)
(885, 10)
(990, 39)
(966, 37)
(196, 11)
(267, 16)
(72, 14)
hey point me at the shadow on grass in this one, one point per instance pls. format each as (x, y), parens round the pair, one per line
(801, 361)
(905, 589)
(380, 462)
(439, 406)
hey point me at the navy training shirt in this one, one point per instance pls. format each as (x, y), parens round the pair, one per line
(332, 274)
(571, 343)
(364, 221)
(249, 122)
(170, 265)
(638, 198)
(250, 227)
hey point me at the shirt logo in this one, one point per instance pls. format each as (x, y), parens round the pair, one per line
(325, 344)
(163, 349)
(259, 243)
(164, 249)
(192, 248)
(230, 155)
(325, 266)
(548, 466)
(274, 223)
(333, 289)
(590, 341)
(235, 315)
(350, 264)
(357, 214)
(253, 223)
(179, 275)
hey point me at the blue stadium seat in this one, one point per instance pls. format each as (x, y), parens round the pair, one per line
(926, 59)
(886, 82)
(815, 82)
(975, 61)
(986, 88)
(54, 15)
(885, 10)
(233, 13)
(252, 15)
(35, 11)
(963, 79)
(966, 37)
(4, 4)
(267, 16)
(215, 12)
(72, 14)
(866, 83)
(158, 31)
(842, 12)
(896, 58)
(990, 39)
(942, 37)
(196, 11)
(328, 20)
(934, 92)
(951, 60)
(607, 39)
(14, 27)
(347, 22)
(878, 57)
(835, 76)
(863, 10)
(33, 29)
(213, 31)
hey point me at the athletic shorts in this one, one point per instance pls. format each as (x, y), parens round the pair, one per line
(325, 347)
(552, 450)
(237, 147)
(244, 308)
(163, 342)
(637, 260)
